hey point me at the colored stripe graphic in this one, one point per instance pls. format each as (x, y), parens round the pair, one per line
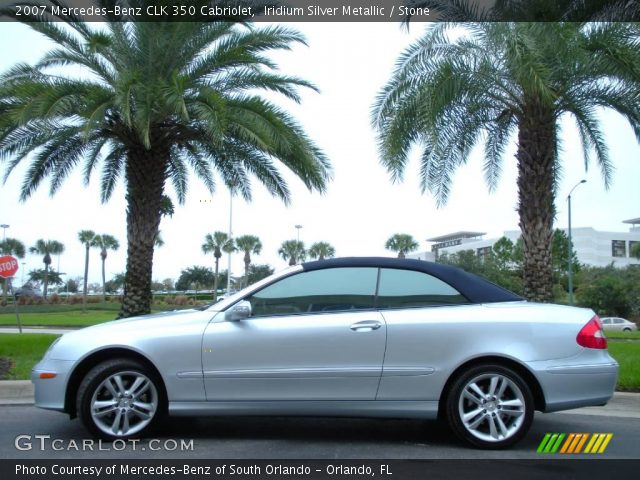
(568, 442)
(574, 443)
(599, 442)
(543, 443)
(550, 443)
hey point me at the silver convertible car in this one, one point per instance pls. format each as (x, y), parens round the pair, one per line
(371, 337)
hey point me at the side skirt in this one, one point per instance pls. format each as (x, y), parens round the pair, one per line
(355, 408)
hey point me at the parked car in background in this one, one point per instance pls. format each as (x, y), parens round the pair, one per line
(617, 324)
(369, 337)
(27, 291)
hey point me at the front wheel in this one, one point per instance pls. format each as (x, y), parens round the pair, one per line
(120, 399)
(490, 406)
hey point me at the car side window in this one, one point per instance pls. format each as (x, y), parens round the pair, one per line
(618, 320)
(318, 291)
(606, 321)
(407, 288)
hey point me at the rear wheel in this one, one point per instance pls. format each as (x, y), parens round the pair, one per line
(490, 406)
(120, 399)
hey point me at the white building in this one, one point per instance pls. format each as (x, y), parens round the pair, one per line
(593, 247)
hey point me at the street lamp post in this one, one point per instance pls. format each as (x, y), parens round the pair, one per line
(230, 237)
(298, 227)
(4, 227)
(569, 262)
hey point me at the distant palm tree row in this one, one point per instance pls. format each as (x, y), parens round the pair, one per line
(105, 243)
(292, 250)
(47, 248)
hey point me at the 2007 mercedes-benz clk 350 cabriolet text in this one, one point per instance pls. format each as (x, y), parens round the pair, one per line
(371, 337)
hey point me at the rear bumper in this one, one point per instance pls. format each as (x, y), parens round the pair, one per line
(574, 386)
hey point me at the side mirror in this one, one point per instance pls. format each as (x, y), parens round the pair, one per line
(239, 311)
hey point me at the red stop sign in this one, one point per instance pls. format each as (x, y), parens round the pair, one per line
(8, 266)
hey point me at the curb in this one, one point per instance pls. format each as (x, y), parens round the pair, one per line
(16, 392)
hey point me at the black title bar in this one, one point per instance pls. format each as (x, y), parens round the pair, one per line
(322, 10)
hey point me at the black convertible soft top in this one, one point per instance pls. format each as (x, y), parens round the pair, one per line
(476, 289)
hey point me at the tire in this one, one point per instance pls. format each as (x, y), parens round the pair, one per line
(111, 409)
(490, 407)
(626, 329)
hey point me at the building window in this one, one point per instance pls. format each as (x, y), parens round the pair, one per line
(483, 253)
(618, 248)
(632, 244)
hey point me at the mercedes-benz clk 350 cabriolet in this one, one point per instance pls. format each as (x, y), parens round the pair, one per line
(370, 337)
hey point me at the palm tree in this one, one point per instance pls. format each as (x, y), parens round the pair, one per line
(217, 243)
(402, 243)
(46, 248)
(105, 242)
(10, 246)
(87, 238)
(293, 250)
(160, 99)
(499, 79)
(248, 244)
(322, 250)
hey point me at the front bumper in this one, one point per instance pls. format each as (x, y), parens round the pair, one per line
(50, 392)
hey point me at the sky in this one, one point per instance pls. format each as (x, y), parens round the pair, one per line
(361, 209)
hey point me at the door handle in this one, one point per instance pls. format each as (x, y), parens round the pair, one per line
(366, 326)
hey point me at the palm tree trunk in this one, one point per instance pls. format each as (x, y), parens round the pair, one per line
(536, 180)
(46, 281)
(145, 175)
(215, 281)
(247, 262)
(104, 292)
(86, 279)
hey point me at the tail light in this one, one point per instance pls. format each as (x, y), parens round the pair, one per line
(591, 335)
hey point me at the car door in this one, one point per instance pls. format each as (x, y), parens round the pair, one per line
(424, 333)
(311, 336)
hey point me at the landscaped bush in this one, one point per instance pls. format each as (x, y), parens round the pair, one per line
(55, 299)
(23, 300)
(178, 300)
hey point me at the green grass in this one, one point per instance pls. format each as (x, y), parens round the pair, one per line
(624, 335)
(25, 351)
(68, 315)
(61, 307)
(627, 354)
(65, 319)
(91, 307)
